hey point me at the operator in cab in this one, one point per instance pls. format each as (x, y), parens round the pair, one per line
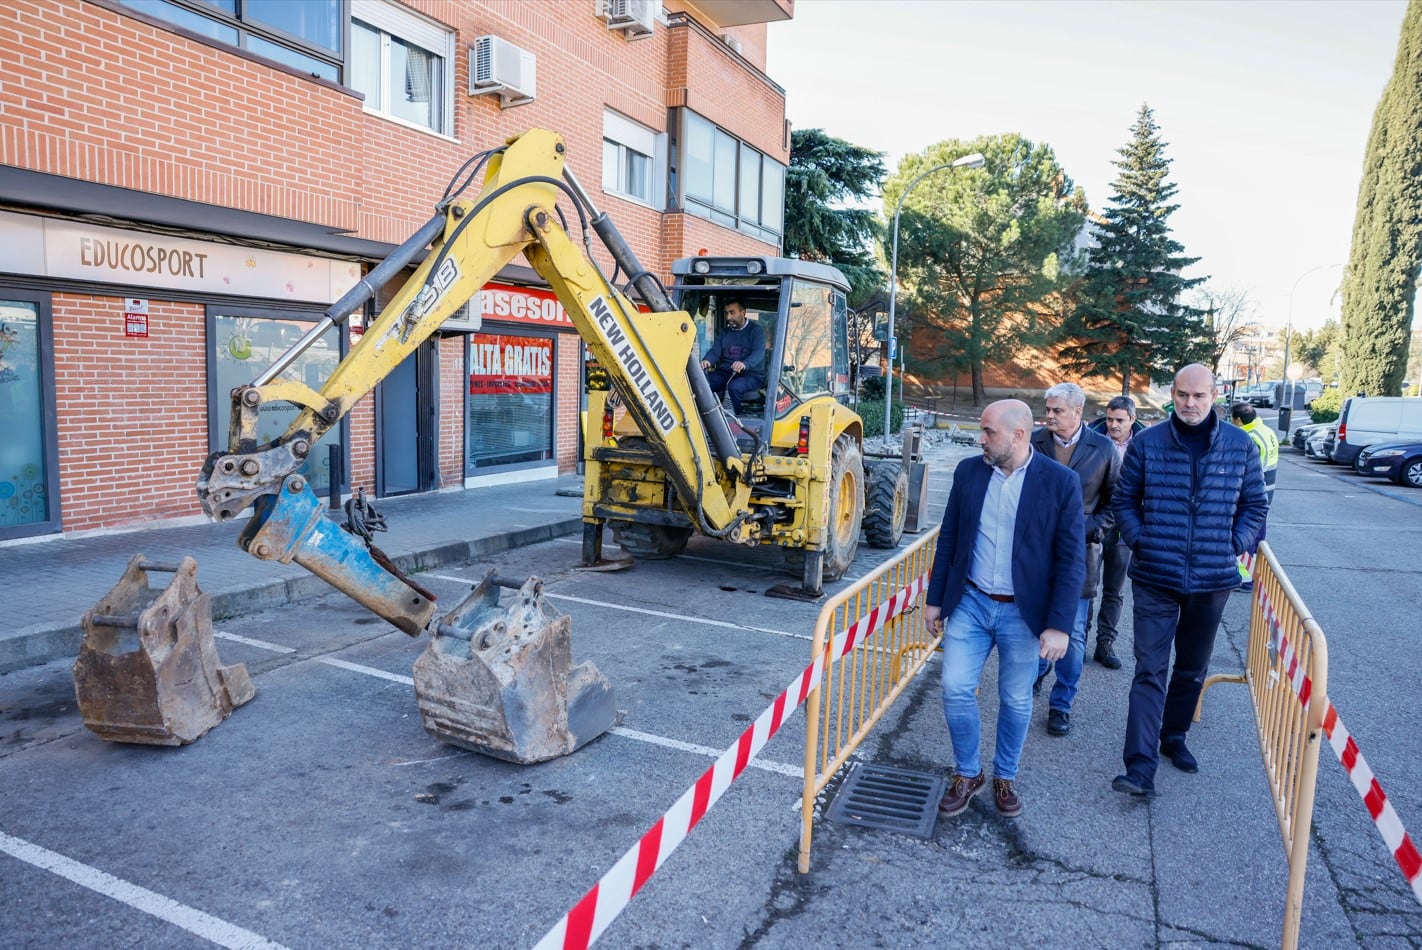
(736, 361)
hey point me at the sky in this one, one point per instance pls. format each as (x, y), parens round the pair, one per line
(1264, 107)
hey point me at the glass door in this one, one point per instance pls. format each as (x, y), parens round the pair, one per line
(29, 496)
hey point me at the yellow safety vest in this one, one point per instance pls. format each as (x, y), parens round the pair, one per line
(1268, 444)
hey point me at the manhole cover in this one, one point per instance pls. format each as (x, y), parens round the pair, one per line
(877, 796)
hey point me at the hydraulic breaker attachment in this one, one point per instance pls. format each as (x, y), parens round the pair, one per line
(148, 670)
(500, 680)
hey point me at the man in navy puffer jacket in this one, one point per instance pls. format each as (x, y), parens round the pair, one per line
(1190, 499)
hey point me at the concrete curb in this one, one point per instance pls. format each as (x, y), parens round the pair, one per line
(41, 643)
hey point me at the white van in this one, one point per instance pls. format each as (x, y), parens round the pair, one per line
(1369, 419)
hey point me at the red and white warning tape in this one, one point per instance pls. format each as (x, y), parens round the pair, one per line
(1394, 835)
(607, 898)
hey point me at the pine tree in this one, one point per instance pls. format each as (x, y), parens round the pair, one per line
(1129, 317)
(825, 172)
(1381, 282)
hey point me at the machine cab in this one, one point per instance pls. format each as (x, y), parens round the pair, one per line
(800, 306)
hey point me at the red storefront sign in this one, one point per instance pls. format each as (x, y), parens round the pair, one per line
(500, 364)
(536, 307)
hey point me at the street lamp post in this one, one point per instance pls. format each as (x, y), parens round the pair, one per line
(974, 160)
(1286, 411)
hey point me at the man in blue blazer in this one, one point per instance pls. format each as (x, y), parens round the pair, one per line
(1007, 573)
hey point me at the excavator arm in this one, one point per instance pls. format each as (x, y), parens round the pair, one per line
(649, 356)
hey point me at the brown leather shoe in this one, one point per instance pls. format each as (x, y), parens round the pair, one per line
(960, 793)
(1005, 797)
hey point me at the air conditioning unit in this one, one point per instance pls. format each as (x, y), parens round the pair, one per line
(636, 18)
(498, 66)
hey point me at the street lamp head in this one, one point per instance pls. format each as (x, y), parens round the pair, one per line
(975, 160)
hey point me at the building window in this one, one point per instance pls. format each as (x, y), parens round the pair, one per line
(303, 34)
(244, 343)
(29, 498)
(727, 181)
(510, 408)
(403, 64)
(632, 158)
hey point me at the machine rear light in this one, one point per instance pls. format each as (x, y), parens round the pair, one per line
(607, 423)
(753, 267)
(802, 444)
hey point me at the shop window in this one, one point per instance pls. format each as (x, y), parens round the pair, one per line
(632, 158)
(303, 34)
(510, 401)
(241, 346)
(28, 463)
(727, 181)
(403, 64)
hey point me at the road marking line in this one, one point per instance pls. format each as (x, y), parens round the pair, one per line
(671, 616)
(259, 644)
(644, 610)
(779, 767)
(194, 921)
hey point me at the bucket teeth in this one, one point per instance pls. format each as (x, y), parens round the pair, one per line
(499, 679)
(148, 670)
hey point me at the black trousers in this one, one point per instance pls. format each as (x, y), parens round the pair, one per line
(1115, 561)
(1157, 713)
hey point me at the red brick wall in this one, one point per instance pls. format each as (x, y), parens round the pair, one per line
(453, 390)
(569, 372)
(91, 93)
(131, 439)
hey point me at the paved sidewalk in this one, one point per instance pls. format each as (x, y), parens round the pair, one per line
(49, 584)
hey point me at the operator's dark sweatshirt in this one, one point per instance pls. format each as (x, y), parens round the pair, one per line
(746, 345)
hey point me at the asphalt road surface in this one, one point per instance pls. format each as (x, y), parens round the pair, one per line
(322, 815)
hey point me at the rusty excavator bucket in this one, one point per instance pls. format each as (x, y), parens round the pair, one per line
(500, 680)
(148, 670)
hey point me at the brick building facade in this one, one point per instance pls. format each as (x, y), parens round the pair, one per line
(186, 185)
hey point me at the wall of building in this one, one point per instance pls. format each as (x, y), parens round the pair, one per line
(94, 94)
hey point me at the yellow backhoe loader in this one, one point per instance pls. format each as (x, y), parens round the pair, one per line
(665, 459)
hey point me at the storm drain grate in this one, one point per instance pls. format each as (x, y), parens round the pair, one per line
(877, 796)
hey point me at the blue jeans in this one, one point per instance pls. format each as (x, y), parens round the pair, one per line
(976, 626)
(1069, 666)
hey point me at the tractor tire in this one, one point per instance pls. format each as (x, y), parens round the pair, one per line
(650, 542)
(846, 507)
(886, 510)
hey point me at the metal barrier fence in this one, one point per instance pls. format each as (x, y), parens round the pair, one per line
(1287, 674)
(857, 689)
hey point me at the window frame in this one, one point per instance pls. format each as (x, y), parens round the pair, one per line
(392, 22)
(473, 471)
(626, 135)
(702, 199)
(49, 418)
(217, 435)
(256, 29)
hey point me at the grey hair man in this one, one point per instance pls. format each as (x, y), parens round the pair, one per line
(1096, 463)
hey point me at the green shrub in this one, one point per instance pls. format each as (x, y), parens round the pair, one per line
(1327, 406)
(872, 412)
(872, 388)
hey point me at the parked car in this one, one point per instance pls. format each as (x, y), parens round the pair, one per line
(1313, 388)
(1263, 395)
(1305, 432)
(1365, 421)
(1320, 446)
(1399, 461)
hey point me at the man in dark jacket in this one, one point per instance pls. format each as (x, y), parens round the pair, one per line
(736, 361)
(1189, 501)
(1096, 464)
(1006, 574)
(1119, 425)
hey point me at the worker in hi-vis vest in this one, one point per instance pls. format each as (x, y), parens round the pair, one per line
(1244, 416)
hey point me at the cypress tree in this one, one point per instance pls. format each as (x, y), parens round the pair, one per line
(1381, 282)
(1128, 315)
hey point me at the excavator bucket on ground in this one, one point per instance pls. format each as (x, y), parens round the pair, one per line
(500, 680)
(148, 670)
